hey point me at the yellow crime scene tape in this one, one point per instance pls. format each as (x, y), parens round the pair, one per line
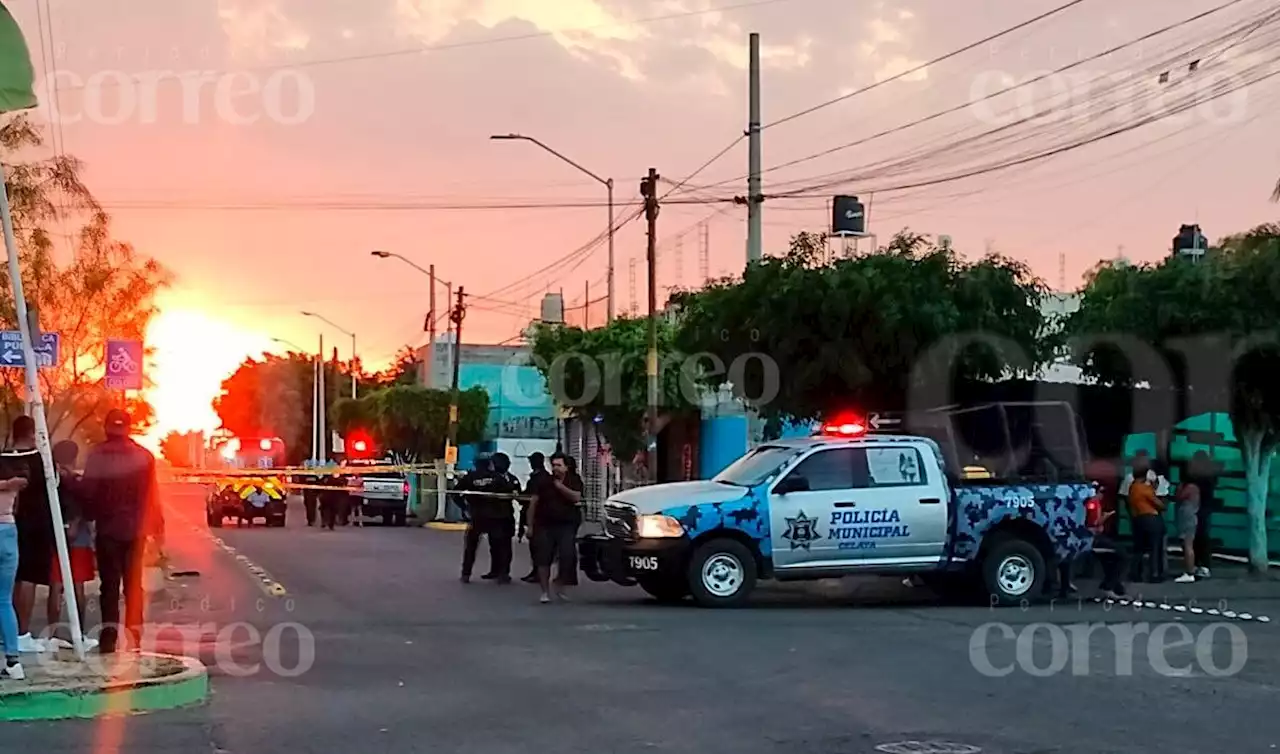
(305, 471)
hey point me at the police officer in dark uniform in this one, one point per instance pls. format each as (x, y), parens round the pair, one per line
(537, 473)
(504, 517)
(488, 519)
(467, 482)
(332, 499)
(310, 497)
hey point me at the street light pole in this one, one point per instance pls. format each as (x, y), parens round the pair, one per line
(606, 182)
(430, 272)
(344, 331)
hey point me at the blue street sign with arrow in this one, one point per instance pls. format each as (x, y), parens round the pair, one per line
(47, 349)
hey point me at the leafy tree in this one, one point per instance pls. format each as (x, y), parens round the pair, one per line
(600, 374)
(404, 370)
(864, 331)
(107, 290)
(1213, 325)
(177, 447)
(273, 396)
(413, 422)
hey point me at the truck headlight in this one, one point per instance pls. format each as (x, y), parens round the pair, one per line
(659, 527)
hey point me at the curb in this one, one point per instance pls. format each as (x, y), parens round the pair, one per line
(188, 687)
(445, 526)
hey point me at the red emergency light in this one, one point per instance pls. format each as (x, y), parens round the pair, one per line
(359, 445)
(844, 426)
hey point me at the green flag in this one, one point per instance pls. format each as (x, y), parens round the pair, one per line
(17, 77)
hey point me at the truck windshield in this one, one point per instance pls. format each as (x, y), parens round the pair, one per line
(756, 466)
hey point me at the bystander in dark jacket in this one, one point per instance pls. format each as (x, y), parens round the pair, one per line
(122, 498)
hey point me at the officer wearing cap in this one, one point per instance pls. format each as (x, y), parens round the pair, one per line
(484, 520)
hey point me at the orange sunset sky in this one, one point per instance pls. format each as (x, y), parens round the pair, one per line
(396, 99)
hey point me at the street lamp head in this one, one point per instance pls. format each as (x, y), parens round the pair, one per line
(505, 137)
(381, 254)
(309, 314)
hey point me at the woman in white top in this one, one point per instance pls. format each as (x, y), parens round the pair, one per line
(8, 572)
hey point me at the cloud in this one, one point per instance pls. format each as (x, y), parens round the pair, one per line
(887, 47)
(256, 28)
(610, 32)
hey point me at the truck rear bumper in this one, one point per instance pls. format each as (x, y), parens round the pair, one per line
(623, 562)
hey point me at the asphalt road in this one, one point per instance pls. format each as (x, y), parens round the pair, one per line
(397, 656)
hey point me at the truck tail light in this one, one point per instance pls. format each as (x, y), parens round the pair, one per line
(1092, 512)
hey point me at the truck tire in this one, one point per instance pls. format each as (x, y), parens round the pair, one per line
(400, 518)
(1013, 571)
(722, 573)
(215, 520)
(665, 588)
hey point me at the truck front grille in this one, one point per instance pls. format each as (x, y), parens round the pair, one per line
(619, 521)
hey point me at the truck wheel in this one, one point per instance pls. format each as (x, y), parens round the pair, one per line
(722, 573)
(400, 519)
(1013, 570)
(215, 520)
(664, 588)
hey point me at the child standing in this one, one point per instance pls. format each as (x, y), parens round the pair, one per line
(66, 454)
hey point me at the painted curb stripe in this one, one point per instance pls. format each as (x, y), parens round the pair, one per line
(183, 689)
(446, 526)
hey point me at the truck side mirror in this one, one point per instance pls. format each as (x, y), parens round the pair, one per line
(792, 484)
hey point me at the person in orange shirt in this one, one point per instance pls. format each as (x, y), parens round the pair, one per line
(1146, 511)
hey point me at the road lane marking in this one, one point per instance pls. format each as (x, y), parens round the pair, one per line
(1228, 614)
(266, 582)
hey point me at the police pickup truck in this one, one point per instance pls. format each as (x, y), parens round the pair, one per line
(380, 494)
(840, 503)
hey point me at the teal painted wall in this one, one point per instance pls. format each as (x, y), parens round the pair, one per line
(519, 404)
(1230, 521)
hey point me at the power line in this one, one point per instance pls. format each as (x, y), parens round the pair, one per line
(1056, 151)
(992, 96)
(940, 59)
(951, 147)
(891, 79)
(387, 206)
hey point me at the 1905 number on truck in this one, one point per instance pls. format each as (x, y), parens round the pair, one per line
(642, 563)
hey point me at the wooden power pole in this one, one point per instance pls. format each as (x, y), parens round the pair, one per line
(649, 190)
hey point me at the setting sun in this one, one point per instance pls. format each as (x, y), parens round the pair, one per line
(193, 354)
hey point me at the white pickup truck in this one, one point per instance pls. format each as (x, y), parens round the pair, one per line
(383, 494)
(840, 503)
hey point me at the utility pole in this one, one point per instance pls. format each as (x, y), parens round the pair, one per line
(631, 274)
(649, 190)
(431, 320)
(315, 403)
(704, 253)
(322, 430)
(755, 225)
(456, 317)
(611, 309)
